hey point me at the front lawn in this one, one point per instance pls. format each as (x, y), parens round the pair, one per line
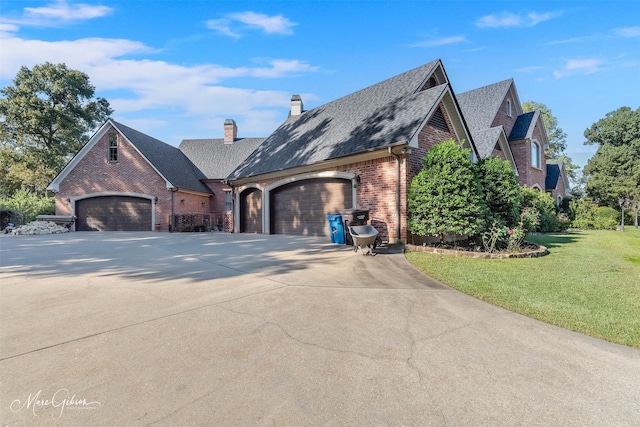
(589, 283)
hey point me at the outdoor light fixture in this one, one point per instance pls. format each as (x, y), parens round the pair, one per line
(624, 203)
(635, 207)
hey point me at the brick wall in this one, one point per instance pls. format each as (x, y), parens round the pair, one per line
(527, 174)
(130, 174)
(502, 118)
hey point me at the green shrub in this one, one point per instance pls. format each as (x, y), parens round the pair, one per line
(501, 191)
(446, 197)
(28, 204)
(606, 218)
(583, 213)
(548, 220)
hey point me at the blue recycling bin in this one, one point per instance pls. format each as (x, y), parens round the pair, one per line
(336, 228)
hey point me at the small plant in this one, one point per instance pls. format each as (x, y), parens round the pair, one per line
(494, 236)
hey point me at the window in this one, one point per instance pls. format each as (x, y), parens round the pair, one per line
(113, 147)
(508, 107)
(228, 201)
(535, 154)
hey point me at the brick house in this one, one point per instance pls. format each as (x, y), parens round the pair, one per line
(360, 151)
(123, 179)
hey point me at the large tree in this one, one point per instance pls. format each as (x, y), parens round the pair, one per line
(556, 136)
(45, 118)
(446, 196)
(614, 171)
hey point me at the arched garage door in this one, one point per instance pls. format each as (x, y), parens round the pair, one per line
(113, 213)
(251, 211)
(302, 206)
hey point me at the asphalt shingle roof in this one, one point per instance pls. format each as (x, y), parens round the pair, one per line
(553, 174)
(522, 126)
(215, 158)
(480, 106)
(378, 116)
(174, 166)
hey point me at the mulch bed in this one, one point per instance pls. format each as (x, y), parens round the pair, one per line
(472, 249)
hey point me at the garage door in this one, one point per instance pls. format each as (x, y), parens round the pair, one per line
(302, 206)
(251, 211)
(113, 213)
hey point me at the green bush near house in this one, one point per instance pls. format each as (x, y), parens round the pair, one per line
(28, 204)
(588, 283)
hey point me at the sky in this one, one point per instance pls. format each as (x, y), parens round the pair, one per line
(176, 69)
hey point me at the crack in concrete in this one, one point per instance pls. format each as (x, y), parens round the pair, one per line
(300, 341)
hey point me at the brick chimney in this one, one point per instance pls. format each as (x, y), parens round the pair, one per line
(296, 105)
(230, 131)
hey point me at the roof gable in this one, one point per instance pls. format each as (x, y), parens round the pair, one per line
(169, 162)
(386, 114)
(551, 179)
(523, 127)
(480, 106)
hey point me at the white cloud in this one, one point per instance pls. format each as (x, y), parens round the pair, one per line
(222, 26)
(579, 66)
(509, 19)
(628, 32)
(440, 41)
(276, 24)
(147, 88)
(64, 12)
(52, 15)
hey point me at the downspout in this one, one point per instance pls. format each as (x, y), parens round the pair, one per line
(173, 191)
(397, 210)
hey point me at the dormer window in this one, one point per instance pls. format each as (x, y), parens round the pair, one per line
(508, 107)
(113, 148)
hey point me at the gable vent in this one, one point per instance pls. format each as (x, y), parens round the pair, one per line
(438, 121)
(432, 82)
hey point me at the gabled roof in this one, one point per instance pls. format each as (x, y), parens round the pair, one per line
(386, 114)
(486, 140)
(555, 171)
(215, 158)
(480, 106)
(169, 162)
(523, 127)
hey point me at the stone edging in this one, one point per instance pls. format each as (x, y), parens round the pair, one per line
(541, 251)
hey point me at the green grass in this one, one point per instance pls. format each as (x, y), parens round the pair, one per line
(589, 282)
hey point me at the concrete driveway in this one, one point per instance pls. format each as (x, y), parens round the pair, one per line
(218, 329)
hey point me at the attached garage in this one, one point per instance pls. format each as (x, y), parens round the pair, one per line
(301, 207)
(114, 213)
(251, 211)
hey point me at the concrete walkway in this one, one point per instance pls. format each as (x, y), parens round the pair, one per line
(218, 329)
